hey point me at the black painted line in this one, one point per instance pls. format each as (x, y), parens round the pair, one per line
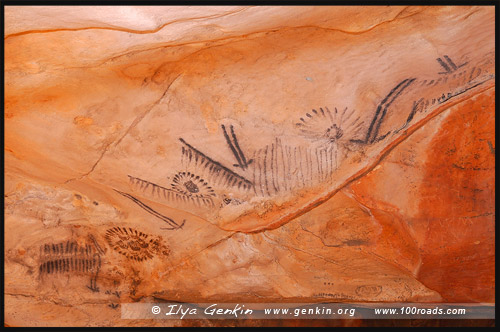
(265, 171)
(453, 65)
(445, 66)
(415, 107)
(400, 88)
(325, 163)
(379, 108)
(276, 165)
(451, 95)
(294, 164)
(273, 169)
(327, 168)
(311, 166)
(284, 178)
(330, 114)
(261, 183)
(283, 166)
(319, 155)
(288, 176)
(308, 165)
(346, 119)
(213, 162)
(300, 166)
(357, 127)
(233, 150)
(236, 144)
(342, 116)
(331, 160)
(284, 162)
(151, 211)
(353, 123)
(318, 176)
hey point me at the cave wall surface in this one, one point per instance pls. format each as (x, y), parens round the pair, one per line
(235, 153)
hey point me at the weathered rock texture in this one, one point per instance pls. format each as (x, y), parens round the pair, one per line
(258, 154)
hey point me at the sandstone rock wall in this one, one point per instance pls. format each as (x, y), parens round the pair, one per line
(259, 154)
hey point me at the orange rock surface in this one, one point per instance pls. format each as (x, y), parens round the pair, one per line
(251, 154)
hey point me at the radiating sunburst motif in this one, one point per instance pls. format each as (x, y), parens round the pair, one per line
(134, 244)
(192, 186)
(186, 187)
(329, 126)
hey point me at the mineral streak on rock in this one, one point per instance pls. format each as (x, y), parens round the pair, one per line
(238, 153)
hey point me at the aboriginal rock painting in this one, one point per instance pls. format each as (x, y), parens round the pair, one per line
(171, 223)
(135, 245)
(70, 258)
(283, 166)
(185, 187)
